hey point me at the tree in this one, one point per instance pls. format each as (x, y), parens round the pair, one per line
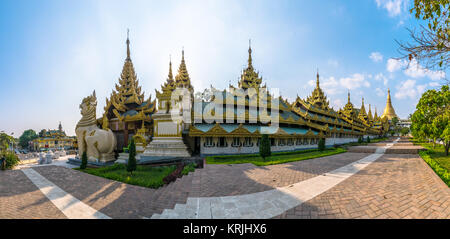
(5, 141)
(368, 139)
(42, 133)
(431, 118)
(131, 165)
(394, 126)
(84, 160)
(26, 137)
(264, 147)
(404, 131)
(430, 46)
(321, 144)
(360, 139)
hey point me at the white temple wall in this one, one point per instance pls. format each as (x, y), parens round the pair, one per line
(215, 150)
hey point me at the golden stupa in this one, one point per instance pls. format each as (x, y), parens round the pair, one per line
(389, 111)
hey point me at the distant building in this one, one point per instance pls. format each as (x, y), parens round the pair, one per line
(54, 140)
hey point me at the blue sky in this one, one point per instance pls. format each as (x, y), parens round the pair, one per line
(54, 53)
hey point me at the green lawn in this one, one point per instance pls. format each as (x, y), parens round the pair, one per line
(275, 158)
(436, 158)
(146, 176)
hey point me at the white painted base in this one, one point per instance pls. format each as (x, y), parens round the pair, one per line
(167, 146)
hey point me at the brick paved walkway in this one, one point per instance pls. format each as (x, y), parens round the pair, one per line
(394, 186)
(20, 198)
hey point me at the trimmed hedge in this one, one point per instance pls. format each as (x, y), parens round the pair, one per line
(440, 171)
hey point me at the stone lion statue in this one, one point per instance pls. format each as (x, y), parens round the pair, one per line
(99, 144)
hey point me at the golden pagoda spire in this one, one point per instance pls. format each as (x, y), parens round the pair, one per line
(389, 111)
(369, 114)
(250, 78)
(375, 116)
(318, 98)
(317, 81)
(250, 54)
(128, 45)
(182, 79)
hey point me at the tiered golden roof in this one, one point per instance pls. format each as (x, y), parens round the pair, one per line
(250, 78)
(318, 98)
(127, 101)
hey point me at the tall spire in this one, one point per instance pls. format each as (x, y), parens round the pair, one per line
(250, 53)
(128, 44)
(249, 78)
(317, 82)
(170, 76)
(389, 111)
(182, 79)
(348, 97)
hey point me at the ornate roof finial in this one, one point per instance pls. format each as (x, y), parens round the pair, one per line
(170, 76)
(128, 44)
(250, 53)
(317, 82)
(348, 100)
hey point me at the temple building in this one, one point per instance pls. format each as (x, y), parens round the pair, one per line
(54, 140)
(229, 121)
(127, 112)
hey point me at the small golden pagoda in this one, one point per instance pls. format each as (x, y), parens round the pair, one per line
(389, 111)
(127, 113)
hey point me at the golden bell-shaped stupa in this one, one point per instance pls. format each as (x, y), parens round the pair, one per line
(389, 111)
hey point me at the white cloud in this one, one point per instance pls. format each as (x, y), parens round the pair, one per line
(394, 7)
(415, 70)
(433, 84)
(409, 89)
(379, 92)
(381, 77)
(376, 57)
(394, 65)
(355, 81)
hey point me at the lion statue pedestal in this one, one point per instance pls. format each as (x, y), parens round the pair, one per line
(99, 144)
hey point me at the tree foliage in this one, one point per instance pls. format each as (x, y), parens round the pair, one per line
(264, 146)
(432, 116)
(11, 159)
(26, 137)
(5, 141)
(84, 160)
(131, 165)
(430, 45)
(321, 144)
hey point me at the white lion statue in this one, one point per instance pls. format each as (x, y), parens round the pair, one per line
(98, 143)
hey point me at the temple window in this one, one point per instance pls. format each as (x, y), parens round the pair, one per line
(272, 142)
(281, 142)
(257, 142)
(222, 142)
(290, 142)
(209, 142)
(248, 142)
(298, 142)
(236, 142)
